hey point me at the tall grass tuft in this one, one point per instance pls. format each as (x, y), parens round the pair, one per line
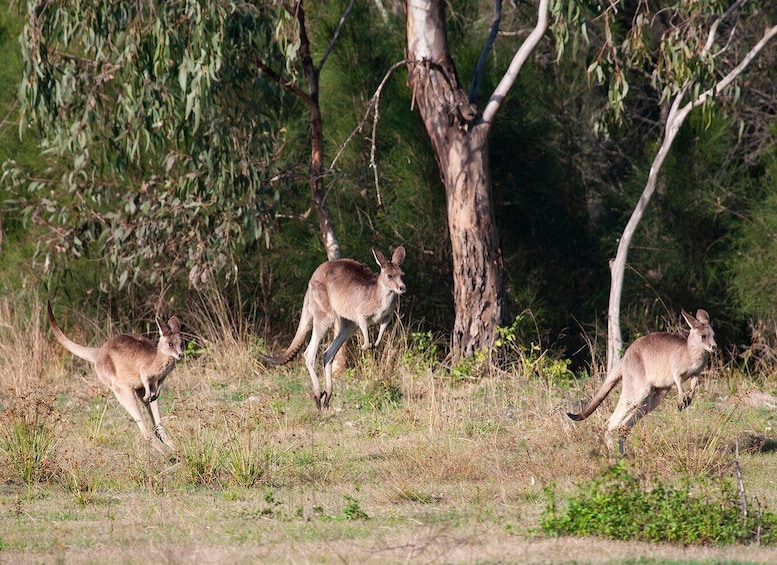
(244, 458)
(25, 353)
(28, 437)
(224, 338)
(203, 457)
(696, 444)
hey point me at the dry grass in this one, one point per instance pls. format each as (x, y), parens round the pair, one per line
(411, 464)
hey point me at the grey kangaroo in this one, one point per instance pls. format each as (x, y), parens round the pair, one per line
(134, 369)
(651, 366)
(345, 294)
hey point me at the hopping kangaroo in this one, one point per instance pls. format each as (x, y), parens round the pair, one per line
(345, 294)
(134, 369)
(651, 366)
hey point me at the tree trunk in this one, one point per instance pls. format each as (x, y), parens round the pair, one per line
(325, 223)
(460, 143)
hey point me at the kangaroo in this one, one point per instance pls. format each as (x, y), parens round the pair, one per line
(651, 366)
(134, 369)
(348, 295)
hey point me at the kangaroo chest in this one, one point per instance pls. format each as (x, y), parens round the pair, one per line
(384, 311)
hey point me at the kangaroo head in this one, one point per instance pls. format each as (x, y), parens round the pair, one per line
(170, 342)
(390, 277)
(701, 335)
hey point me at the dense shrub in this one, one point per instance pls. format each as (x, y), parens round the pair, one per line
(619, 506)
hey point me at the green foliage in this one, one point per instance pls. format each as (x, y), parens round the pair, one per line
(673, 51)
(161, 133)
(28, 437)
(619, 506)
(751, 276)
(353, 510)
(533, 361)
(423, 346)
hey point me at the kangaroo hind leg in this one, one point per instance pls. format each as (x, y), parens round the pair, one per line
(628, 412)
(320, 327)
(156, 420)
(128, 398)
(345, 329)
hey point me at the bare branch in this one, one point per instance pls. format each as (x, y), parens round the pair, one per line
(486, 50)
(373, 107)
(714, 27)
(335, 36)
(738, 70)
(521, 56)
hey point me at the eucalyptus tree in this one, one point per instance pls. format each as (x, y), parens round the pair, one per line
(164, 123)
(459, 132)
(692, 52)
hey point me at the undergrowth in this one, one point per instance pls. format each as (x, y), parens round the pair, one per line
(619, 506)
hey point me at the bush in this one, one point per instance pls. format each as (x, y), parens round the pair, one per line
(618, 506)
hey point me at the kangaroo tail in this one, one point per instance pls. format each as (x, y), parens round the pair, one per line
(303, 329)
(86, 353)
(608, 384)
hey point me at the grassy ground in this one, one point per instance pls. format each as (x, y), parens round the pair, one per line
(416, 462)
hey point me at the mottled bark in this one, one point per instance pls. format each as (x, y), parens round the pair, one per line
(460, 144)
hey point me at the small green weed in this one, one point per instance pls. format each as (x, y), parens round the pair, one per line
(619, 506)
(423, 346)
(382, 393)
(532, 360)
(353, 510)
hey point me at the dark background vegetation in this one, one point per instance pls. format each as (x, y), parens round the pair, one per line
(562, 197)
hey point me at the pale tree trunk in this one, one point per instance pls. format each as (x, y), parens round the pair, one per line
(459, 137)
(677, 114)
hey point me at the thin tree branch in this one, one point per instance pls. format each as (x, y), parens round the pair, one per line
(473, 90)
(373, 107)
(335, 36)
(521, 56)
(738, 70)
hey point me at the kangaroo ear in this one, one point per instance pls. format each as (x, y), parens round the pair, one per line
(381, 260)
(399, 256)
(688, 318)
(163, 329)
(702, 316)
(175, 325)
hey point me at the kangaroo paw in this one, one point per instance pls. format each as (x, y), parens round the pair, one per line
(366, 347)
